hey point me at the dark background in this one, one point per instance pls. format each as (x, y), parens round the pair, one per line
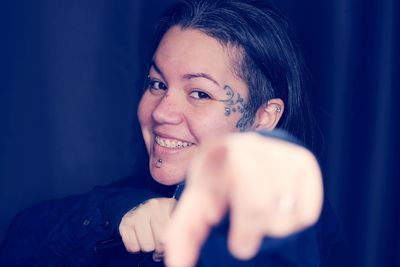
(70, 79)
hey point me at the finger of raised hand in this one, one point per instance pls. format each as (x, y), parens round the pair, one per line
(159, 221)
(201, 206)
(129, 239)
(145, 236)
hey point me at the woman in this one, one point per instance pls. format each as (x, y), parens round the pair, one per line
(219, 67)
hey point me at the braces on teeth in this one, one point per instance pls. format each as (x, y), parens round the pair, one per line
(171, 143)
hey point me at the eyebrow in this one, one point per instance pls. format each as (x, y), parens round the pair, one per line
(188, 76)
(200, 75)
(156, 68)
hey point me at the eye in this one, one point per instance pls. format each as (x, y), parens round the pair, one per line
(199, 95)
(155, 85)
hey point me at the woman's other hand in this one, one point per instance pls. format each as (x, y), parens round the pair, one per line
(143, 227)
(271, 188)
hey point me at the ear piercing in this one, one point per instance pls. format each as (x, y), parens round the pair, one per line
(159, 162)
(276, 107)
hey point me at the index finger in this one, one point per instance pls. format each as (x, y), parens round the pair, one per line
(190, 225)
(202, 205)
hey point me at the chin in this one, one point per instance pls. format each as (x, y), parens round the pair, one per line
(166, 178)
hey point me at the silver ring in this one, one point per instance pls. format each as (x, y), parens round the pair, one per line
(285, 203)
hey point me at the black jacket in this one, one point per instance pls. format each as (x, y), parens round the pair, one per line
(65, 232)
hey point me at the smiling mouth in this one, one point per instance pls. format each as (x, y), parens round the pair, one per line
(171, 143)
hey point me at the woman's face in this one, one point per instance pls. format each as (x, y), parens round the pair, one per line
(190, 82)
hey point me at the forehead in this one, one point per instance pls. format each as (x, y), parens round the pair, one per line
(189, 50)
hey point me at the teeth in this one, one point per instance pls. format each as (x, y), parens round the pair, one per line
(171, 143)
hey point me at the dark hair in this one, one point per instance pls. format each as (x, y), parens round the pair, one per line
(270, 62)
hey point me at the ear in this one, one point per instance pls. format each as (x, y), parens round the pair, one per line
(269, 114)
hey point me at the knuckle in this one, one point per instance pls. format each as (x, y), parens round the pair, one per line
(122, 231)
(125, 219)
(152, 203)
(125, 234)
(139, 211)
(128, 223)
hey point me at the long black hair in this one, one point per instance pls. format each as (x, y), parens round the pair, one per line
(270, 62)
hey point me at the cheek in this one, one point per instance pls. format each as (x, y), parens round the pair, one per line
(144, 110)
(215, 124)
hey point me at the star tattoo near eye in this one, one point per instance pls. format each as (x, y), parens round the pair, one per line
(234, 103)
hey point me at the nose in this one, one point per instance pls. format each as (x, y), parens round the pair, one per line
(168, 110)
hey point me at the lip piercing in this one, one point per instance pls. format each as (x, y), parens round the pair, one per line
(159, 162)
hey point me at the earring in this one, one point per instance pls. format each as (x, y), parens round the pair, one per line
(278, 109)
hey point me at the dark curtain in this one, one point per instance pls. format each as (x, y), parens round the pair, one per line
(71, 74)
